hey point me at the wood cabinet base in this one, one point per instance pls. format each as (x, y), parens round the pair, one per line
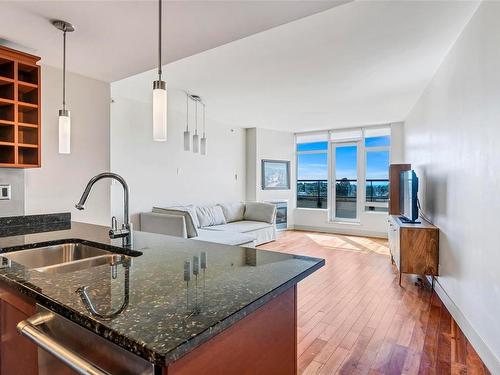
(265, 342)
(18, 355)
(414, 247)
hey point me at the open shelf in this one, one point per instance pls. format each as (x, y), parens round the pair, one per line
(27, 113)
(6, 110)
(27, 155)
(27, 94)
(7, 154)
(6, 68)
(7, 133)
(19, 109)
(27, 73)
(27, 136)
(6, 89)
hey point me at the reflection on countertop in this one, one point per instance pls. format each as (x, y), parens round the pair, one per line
(162, 316)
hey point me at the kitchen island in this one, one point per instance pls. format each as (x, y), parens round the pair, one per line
(235, 314)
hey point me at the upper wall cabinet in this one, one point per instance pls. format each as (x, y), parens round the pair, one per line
(20, 104)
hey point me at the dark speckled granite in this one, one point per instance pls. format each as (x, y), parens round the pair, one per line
(165, 318)
(18, 225)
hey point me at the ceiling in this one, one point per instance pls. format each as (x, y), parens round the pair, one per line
(339, 64)
(116, 39)
(361, 63)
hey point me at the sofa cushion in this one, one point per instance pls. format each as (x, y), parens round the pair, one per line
(226, 238)
(233, 211)
(186, 212)
(187, 208)
(260, 211)
(210, 215)
(240, 226)
(172, 225)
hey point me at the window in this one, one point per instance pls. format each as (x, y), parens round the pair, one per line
(312, 170)
(346, 181)
(377, 149)
(359, 160)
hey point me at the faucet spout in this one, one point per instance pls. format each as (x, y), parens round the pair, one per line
(125, 232)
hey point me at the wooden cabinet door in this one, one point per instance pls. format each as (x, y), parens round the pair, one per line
(18, 355)
(397, 246)
(390, 237)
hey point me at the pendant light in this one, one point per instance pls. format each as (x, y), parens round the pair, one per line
(159, 94)
(64, 114)
(187, 133)
(203, 145)
(196, 138)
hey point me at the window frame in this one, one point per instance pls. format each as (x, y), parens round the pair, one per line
(297, 154)
(362, 160)
(332, 180)
(365, 153)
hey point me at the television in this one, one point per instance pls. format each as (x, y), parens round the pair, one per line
(408, 200)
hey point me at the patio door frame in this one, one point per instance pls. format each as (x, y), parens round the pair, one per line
(332, 180)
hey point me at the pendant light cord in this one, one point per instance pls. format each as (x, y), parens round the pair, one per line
(203, 120)
(196, 117)
(187, 111)
(64, 68)
(159, 39)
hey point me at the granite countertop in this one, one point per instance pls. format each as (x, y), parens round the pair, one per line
(165, 317)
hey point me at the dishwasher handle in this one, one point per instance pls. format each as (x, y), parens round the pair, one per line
(29, 328)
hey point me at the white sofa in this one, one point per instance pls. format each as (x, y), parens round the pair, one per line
(243, 224)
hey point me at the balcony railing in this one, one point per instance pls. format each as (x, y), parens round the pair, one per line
(314, 193)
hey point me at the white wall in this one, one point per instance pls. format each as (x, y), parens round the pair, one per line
(162, 173)
(370, 223)
(274, 145)
(58, 184)
(14, 178)
(452, 140)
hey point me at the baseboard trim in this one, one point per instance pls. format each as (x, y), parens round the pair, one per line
(345, 231)
(483, 350)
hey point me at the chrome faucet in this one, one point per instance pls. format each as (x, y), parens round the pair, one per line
(126, 230)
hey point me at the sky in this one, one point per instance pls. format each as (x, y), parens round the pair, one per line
(315, 166)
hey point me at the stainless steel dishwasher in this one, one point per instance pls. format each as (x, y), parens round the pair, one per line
(66, 348)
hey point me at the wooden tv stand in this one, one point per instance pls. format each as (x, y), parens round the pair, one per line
(414, 247)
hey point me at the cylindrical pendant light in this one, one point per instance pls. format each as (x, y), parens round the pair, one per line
(159, 94)
(187, 133)
(64, 114)
(196, 138)
(203, 145)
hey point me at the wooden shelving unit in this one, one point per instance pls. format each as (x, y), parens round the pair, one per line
(20, 109)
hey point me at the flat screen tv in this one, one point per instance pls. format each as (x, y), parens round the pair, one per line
(408, 196)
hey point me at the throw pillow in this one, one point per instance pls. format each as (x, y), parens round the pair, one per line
(210, 215)
(233, 211)
(260, 211)
(189, 217)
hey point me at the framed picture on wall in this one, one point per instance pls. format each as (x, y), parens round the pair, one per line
(275, 174)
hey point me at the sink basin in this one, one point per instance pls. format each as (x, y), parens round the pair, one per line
(41, 257)
(110, 260)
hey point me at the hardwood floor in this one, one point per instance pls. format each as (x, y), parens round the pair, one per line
(353, 318)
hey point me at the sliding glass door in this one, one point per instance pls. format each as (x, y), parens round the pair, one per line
(345, 181)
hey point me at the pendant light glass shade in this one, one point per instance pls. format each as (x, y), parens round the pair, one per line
(196, 143)
(159, 111)
(64, 132)
(187, 140)
(203, 145)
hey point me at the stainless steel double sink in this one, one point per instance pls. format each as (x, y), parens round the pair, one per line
(65, 257)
